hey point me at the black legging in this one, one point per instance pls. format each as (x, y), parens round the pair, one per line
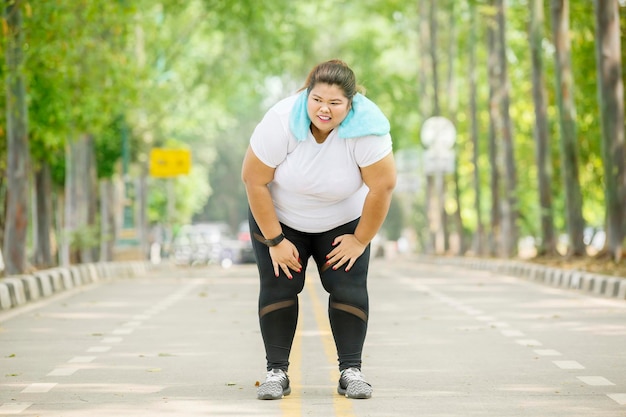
(348, 307)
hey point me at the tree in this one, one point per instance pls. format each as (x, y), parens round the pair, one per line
(510, 207)
(495, 121)
(567, 113)
(453, 108)
(212, 67)
(611, 98)
(544, 177)
(436, 188)
(479, 235)
(18, 147)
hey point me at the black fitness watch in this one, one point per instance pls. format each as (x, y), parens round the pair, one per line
(275, 241)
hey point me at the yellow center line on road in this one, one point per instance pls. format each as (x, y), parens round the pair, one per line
(342, 407)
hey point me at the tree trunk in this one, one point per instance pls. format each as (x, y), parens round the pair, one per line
(567, 112)
(71, 221)
(542, 139)
(494, 122)
(86, 198)
(424, 61)
(439, 187)
(80, 199)
(453, 108)
(17, 145)
(107, 220)
(611, 98)
(434, 61)
(142, 218)
(509, 202)
(43, 218)
(479, 246)
(90, 188)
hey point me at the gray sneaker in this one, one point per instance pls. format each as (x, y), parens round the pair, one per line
(352, 384)
(275, 387)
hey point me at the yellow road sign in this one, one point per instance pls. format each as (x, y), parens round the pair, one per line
(169, 162)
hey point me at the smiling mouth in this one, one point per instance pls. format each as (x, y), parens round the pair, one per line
(324, 118)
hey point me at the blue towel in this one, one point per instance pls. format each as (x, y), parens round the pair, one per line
(364, 119)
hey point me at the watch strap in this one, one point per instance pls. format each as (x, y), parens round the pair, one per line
(269, 242)
(275, 241)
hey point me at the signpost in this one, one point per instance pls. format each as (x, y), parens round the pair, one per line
(170, 163)
(438, 135)
(167, 163)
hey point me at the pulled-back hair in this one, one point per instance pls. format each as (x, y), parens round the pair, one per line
(333, 72)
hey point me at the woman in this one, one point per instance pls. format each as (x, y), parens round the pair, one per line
(319, 174)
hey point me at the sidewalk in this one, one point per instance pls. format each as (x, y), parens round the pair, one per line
(597, 284)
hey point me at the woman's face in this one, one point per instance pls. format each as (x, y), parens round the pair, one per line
(327, 106)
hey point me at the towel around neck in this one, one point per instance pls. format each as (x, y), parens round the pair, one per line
(363, 119)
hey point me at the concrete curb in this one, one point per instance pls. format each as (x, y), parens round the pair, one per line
(595, 284)
(21, 289)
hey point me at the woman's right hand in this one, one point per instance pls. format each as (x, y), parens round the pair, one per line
(285, 256)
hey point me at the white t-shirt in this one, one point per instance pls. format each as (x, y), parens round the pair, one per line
(316, 186)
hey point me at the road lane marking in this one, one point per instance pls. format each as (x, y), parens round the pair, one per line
(472, 311)
(122, 331)
(112, 340)
(547, 352)
(568, 364)
(39, 388)
(596, 381)
(619, 398)
(62, 372)
(82, 359)
(529, 342)
(99, 349)
(13, 408)
(512, 333)
(341, 405)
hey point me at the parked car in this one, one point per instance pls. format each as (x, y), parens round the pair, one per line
(212, 243)
(182, 249)
(245, 240)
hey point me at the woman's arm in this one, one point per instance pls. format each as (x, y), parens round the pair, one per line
(380, 178)
(256, 176)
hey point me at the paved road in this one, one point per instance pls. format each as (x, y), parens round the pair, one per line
(443, 342)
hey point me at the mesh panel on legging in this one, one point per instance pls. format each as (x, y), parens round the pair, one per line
(278, 302)
(349, 332)
(278, 326)
(348, 307)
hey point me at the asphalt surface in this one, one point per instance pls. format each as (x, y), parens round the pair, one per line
(443, 341)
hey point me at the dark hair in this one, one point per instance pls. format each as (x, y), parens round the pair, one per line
(333, 72)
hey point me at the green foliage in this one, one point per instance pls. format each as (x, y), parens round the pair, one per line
(200, 74)
(109, 147)
(85, 238)
(190, 196)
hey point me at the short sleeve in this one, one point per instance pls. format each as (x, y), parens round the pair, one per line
(270, 140)
(371, 149)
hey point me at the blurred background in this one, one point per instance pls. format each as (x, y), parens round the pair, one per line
(124, 123)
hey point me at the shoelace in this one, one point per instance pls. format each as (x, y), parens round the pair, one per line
(277, 376)
(352, 374)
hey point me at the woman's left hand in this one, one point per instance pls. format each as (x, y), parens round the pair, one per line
(347, 250)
